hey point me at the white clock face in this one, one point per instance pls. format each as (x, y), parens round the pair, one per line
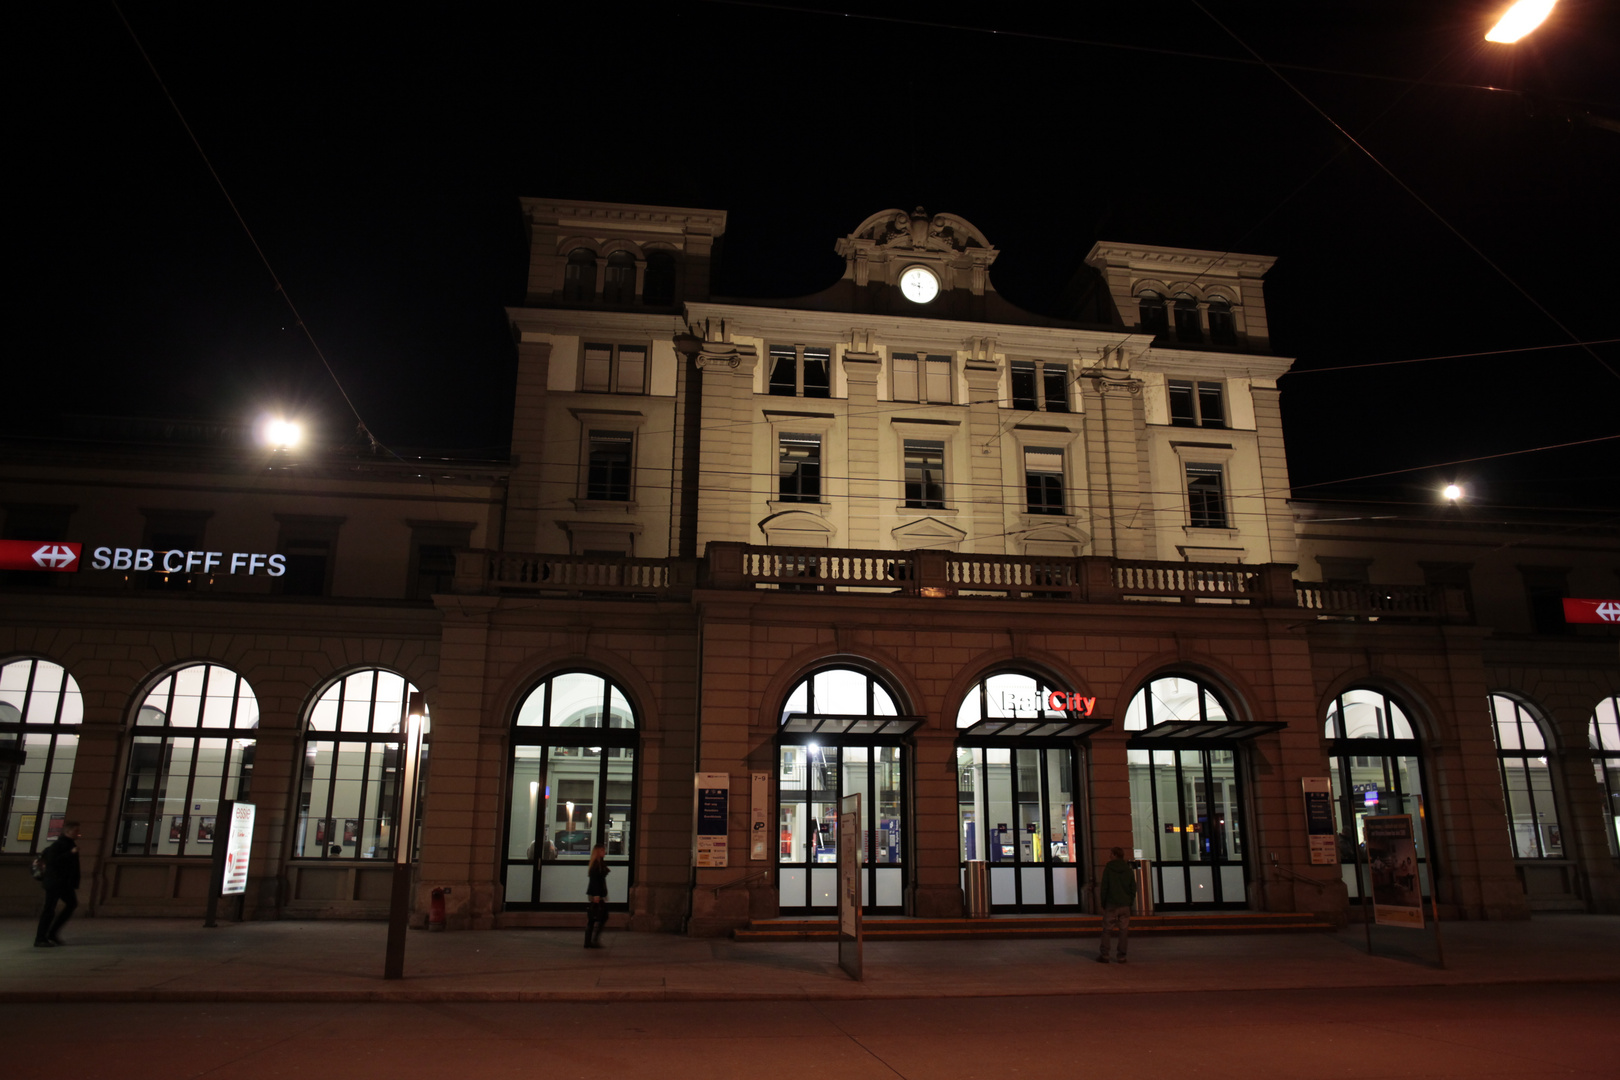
(919, 285)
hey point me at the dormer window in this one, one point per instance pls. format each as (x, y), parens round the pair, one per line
(619, 284)
(1189, 331)
(579, 276)
(1222, 328)
(1154, 317)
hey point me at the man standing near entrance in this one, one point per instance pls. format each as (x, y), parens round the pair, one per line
(61, 882)
(1115, 896)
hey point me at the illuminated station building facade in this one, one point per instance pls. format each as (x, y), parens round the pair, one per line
(1032, 586)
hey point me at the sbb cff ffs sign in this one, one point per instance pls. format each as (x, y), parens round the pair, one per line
(61, 558)
(1591, 611)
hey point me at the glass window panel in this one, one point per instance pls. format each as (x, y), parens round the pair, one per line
(28, 785)
(967, 714)
(1603, 733)
(1136, 713)
(1010, 694)
(1363, 714)
(886, 805)
(1504, 715)
(1063, 841)
(1211, 411)
(577, 699)
(1183, 410)
(595, 371)
(784, 372)
(1213, 710)
(1399, 727)
(817, 373)
(1174, 699)
(904, 366)
(1023, 384)
(1055, 380)
(632, 369)
(1031, 828)
(1000, 822)
(1177, 844)
(619, 715)
(840, 691)
(1144, 834)
(532, 713)
(938, 370)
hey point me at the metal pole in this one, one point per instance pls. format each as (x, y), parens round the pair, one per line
(1434, 885)
(399, 908)
(1366, 919)
(216, 873)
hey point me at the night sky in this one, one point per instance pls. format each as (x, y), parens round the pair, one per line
(379, 153)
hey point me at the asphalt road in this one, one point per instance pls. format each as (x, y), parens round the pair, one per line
(1521, 1030)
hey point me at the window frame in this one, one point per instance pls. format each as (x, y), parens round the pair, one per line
(921, 500)
(1606, 762)
(615, 367)
(548, 736)
(1153, 313)
(388, 742)
(1042, 372)
(1198, 501)
(576, 285)
(615, 289)
(797, 355)
(1198, 396)
(1387, 746)
(1043, 507)
(1524, 718)
(926, 373)
(605, 493)
(800, 495)
(15, 735)
(237, 765)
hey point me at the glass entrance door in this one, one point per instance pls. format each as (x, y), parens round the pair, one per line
(1016, 810)
(1187, 816)
(811, 779)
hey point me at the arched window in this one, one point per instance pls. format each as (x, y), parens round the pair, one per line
(1376, 764)
(658, 281)
(1603, 734)
(1016, 789)
(619, 283)
(348, 799)
(1521, 754)
(1188, 329)
(1222, 328)
(1187, 791)
(573, 786)
(191, 749)
(841, 733)
(40, 714)
(579, 276)
(1155, 318)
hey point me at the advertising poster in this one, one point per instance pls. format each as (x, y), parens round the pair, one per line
(1392, 861)
(25, 827)
(1319, 820)
(205, 830)
(177, 828)
(713, 806)
(53, 828)
(238, 847)
(351, 830)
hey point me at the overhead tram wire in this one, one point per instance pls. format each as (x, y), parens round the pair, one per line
(242, 221)
(1152, 50)
(1449, 356)
(1404, 186)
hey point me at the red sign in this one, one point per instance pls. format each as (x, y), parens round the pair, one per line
(1598, 611)
(39, 555)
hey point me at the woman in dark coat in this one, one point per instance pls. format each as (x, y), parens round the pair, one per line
(596, 894)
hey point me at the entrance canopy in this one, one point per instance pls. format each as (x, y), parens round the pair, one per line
(1189, 734)
(1043, 728)
(848, 724)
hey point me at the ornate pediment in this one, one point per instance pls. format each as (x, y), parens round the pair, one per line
(949, 245)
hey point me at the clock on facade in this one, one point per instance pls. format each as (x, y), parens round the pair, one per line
(919, 285)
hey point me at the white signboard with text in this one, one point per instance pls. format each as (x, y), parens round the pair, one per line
(238, 848)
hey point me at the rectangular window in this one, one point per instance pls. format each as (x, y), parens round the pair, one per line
(799, 467)
(607, 473)
(614, 369)
(1043, 480)
(1196, 404)
(433, 556)
(925, 474)
(1206, 495)
(800, 371)
(924, 378)
(1040, 386)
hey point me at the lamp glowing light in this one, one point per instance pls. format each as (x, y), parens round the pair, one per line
(1452, 492)
(283, 434)
(1519, 20)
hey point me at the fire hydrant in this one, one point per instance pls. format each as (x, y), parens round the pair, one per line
(436, 911)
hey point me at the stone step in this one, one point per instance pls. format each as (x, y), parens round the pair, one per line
(903, 929)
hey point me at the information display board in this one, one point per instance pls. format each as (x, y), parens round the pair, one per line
(1319, 820)
(713, 807)
(759, 821)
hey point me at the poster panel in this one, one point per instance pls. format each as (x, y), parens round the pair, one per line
(1319, 820)
(713, 807)
(1392, 861)
(849, 885)
(238, 848)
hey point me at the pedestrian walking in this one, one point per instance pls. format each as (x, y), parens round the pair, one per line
(596, 895)
(1115, 896)
(61, 883)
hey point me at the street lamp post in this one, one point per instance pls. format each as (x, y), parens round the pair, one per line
(399, 909)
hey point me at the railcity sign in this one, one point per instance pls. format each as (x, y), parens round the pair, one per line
(1014, 701)
(50, 555)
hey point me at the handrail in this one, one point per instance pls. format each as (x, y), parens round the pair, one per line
(739, 881)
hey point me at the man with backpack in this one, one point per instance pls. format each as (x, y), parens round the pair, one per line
(61, 881)
(1114, 896)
